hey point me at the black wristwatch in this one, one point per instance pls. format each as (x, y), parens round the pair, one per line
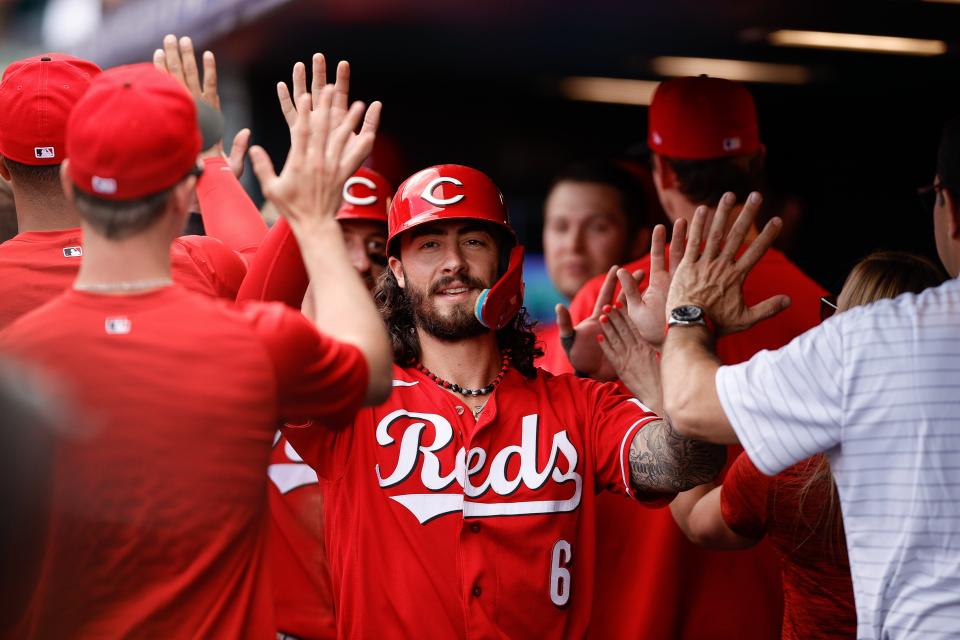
(688, 315)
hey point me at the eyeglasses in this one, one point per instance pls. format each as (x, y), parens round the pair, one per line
(928, 196)
(828, 307)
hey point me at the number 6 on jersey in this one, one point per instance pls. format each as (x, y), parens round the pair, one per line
(559, 573)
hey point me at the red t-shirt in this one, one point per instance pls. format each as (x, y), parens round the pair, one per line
(36, 266)
(159, 508)
(504, 549)
(674, 588)
(817, 589)
(554, 357)
(296, 553)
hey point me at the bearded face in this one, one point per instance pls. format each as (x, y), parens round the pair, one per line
(445, 309)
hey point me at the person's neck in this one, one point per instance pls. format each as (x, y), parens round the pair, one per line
(471, 363)
(43, 212)
(131, 265)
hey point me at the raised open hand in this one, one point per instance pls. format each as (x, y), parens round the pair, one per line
(291, 106)
(178, 58)
(648, 311)
(580, 342)
(713, 279)
(323, 154)
(632, 356)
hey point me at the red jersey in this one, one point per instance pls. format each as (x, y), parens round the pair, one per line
(817, 589)
(677, 589)
(296, 553)
(554, 357)
(36, 266)
(159, 507)
(439, 526)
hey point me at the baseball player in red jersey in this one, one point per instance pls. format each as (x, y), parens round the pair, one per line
(148, 537)
(705, 139)
(303, 592)
(36, 96)
(464, 505)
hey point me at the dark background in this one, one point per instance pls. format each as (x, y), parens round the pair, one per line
(477, 83)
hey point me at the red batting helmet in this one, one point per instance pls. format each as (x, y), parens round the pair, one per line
(366, 196)
(456, 192)
(446, 192)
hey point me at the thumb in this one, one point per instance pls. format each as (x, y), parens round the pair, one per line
(564, 321)
(262, 168)
(238, 150)
(763, 310)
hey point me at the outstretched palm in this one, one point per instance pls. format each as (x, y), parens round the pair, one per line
(648, 311)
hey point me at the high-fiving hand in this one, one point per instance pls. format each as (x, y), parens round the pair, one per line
(713, 278)
(324, 152)
(177, 57)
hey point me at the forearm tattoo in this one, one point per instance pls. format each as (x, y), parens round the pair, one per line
(663, 461)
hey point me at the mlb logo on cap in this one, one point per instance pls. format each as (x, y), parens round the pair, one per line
(44, 153)
(72, 252)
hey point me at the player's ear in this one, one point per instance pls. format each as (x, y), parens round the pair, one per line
(65, 183)
(952, 205)
(396, 267)
(663, 176)
(4, 171)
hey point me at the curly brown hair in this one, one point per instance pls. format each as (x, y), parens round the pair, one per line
(397, 312)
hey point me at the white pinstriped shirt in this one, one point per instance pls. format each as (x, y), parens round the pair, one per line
(878, 389)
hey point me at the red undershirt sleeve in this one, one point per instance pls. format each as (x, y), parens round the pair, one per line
(318, 377)
(277, 272)
(228, 212)
(743, 499)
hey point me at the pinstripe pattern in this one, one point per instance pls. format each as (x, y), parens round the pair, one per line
(878, 389)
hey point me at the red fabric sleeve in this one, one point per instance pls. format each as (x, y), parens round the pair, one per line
(228, 212)
(616, 419)
(317, 377)
(277, 272)
(220, 265)
(744, 499)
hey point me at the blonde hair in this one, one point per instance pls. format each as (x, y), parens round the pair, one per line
(881, 275)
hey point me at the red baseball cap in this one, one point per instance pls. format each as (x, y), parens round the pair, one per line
(133, 134)
(366, 196)
(701, 118)
(36, 96)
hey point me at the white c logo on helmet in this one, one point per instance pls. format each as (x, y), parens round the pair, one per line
(441, 202)
(354, 200)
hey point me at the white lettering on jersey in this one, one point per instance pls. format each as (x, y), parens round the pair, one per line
(426, 506)
(441, 202)
(357, 201)
(288, 476)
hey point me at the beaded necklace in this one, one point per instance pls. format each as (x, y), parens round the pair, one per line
(452, 386)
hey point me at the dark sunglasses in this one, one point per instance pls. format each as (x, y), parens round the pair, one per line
(828, 307)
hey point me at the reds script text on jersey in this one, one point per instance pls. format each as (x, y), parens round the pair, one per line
(442, 527)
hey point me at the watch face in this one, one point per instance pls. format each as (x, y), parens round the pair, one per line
(687, 313)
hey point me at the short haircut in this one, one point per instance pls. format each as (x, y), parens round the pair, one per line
(633, 200)
(34, 176)
(705, 181)
(118, 219)
(948, 156)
